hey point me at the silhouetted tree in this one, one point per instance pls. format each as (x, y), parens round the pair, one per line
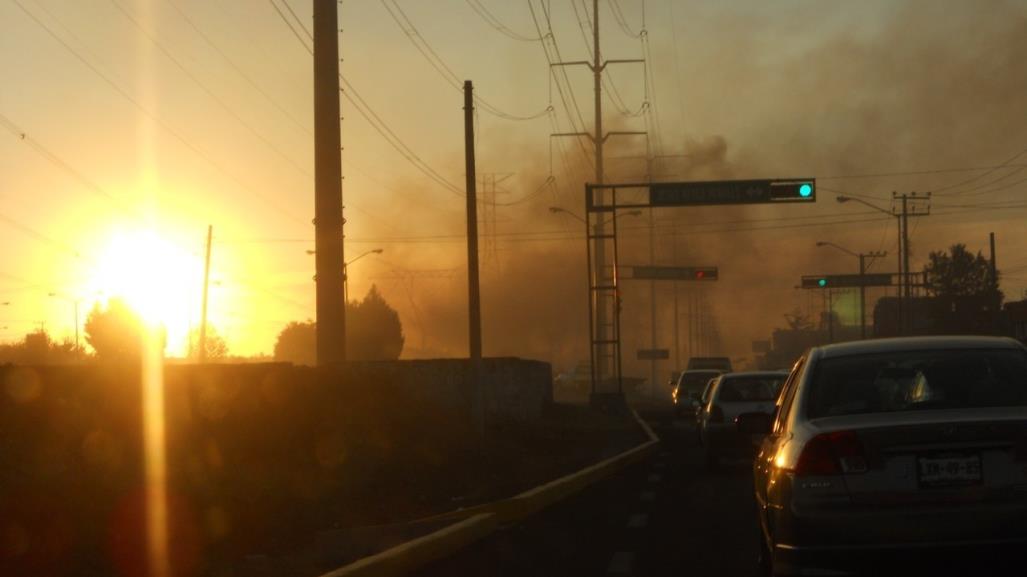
(115, 332)
(959, 273)
(373, 332)
(373, 329)
(297, 343)
(217, 347)
(37, 348)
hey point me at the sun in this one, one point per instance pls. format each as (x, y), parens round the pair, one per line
(161, 281)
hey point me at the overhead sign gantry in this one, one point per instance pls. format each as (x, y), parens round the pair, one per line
(603, 201)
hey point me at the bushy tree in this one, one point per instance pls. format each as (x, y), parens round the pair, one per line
(373, 329)
(960, 273)
(37, 348)
(297, 343)
(116, 332)
(373, 332)
(217, 347)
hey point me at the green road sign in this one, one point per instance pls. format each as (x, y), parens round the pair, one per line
(847, 280)
(733, 192)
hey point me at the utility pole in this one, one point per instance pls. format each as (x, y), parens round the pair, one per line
(598, 138)
(206, 286)
(473, 288)
(328, 219)
(996, 302)
(652, 305)
(910, 206)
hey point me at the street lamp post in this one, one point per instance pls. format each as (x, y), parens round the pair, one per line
(863, 265)
(902, 248)
(345, 266)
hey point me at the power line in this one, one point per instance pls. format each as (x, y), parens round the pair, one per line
(210, 93)
(494, 22)
(618, 15)
(350, 93)
(940, 191)
(150, 114)
(249, 80)
(418, 40)
(561, 73)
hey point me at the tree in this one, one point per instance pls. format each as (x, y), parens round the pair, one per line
(116, 332)
(959, 273)
(297, 343)
(37, 348)
(373, 329)
(217, 347)
(373, 333)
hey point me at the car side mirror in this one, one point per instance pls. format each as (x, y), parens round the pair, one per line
(754, 423)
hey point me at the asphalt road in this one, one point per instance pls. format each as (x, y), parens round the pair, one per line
(663, 516)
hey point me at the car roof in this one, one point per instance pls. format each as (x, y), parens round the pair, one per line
(899, 344)
(694, 371)
(755, 374)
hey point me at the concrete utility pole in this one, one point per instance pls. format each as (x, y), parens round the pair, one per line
(206, 286)
(328, 220)
(906, 290)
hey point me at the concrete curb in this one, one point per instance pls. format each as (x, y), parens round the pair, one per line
(474, 523)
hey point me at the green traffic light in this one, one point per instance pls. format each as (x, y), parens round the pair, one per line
(822, 282)
(805, 190)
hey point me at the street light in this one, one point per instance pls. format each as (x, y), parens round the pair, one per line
(345, 267)
(901, 248)
(863, 266)
(75, 302)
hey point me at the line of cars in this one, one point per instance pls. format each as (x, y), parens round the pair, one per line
(891, 456)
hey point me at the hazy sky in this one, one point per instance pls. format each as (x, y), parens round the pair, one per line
(176, 114)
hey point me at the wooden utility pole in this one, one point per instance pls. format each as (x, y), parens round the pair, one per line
(473, 286)
(328, 221)
(206, 287)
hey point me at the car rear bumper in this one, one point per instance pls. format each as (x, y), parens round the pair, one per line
(985, 557)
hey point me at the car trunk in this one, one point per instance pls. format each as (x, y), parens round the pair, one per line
(933, 457)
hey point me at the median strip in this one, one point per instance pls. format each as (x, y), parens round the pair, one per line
(474, 523)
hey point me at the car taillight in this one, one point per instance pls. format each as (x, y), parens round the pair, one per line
(716, 414)
(832, 454)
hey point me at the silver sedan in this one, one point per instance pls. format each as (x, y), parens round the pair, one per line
(895, 451)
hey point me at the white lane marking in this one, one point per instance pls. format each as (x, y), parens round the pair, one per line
(621, 563)
(638, 520)
(647, 496)
(655, 478)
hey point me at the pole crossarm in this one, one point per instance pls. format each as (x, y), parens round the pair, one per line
(624, 133)
(622, 61)
(576, 63)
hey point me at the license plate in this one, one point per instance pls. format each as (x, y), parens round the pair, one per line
(949, 470)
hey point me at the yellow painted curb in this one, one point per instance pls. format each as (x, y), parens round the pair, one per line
(477, 522)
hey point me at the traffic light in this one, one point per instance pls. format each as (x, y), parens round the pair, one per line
(799, 190)
(815, 282)
(705, 273)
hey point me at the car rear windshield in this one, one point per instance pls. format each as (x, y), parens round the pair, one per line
(745, 389)
(918, 380)
(696, 382)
